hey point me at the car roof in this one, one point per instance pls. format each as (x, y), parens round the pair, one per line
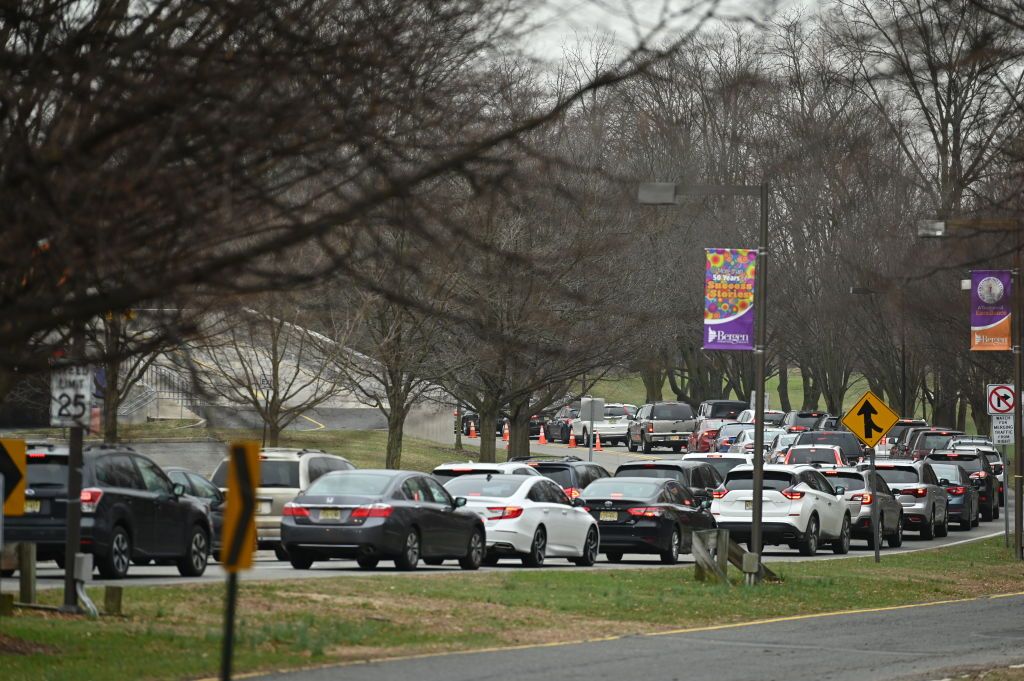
(479, 464)
(712, 455)
(485, 476)
(675, 463)
(825, 445)
(620, 478)
(775, 468)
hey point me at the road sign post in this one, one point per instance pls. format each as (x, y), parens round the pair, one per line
(870, 419)
(239, 534)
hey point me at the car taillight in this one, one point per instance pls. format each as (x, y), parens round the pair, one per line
(37, 455)
(504, 512)
(650, 427)
(719, 493)
(864, 499)
(979, 474)
(957, 490)
(292, 510)
(645, 512)
(919, 492)
(792, 494)
(90, 498)
(572, 492)
(372, 511)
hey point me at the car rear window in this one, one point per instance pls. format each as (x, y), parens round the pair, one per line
(722, 464)
(776, 480)
(819, 438)
(812, 456)
(355, 484)
(51, 471)
(560, 474)
(949, 471)
(733, 429)
(726, 411)
(272, 474)
(474, 486)
(443, 475)
(807, 419)
(850, 481)
(671, 412)
(619, 488)
(933, 441)
(662, 472)
(970, 462)
(898, 475)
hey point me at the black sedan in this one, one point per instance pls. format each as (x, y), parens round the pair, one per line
(645, 515)
(374, 515)
(206, 493)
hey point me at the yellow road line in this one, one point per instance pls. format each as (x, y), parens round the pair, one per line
(319, 426)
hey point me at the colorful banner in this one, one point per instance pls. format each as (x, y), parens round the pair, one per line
(990, 310)
(729, 299)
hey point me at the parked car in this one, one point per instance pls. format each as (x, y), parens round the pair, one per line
(529, 517)
(982, 477)
(772, 417)
(964, 505)
(795, 421)
(860, 500)
(645, 515)
(612, 427)
(703, 438)
(570, 472)
(449, 471)
(374, 515)
(131, 511)
(890, 438)
(699, 477)
(851, 447)
(207, 494)
(284, 473)
(814, 455)
(925, 503)
(728, 433)
(559, 425)
(800, 508)
(723, 463)
(660, 425)
(744, 442)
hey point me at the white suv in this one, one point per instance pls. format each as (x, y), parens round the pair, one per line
(799, 508)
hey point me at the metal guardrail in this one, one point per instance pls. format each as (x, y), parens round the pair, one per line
(159, 383)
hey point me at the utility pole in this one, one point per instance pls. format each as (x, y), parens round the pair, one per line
(73, 533)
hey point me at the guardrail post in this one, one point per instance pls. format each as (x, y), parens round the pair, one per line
(751, 567)
(722, 551)
(27, 572)
(112, 596)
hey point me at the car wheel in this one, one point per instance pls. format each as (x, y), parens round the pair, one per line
(590, 545)
(646, 445)
(943, 529)
(538, 549)
(300, 560)
(677, 448)
(114, 564)
(614, 556)
(410, 556)
(433, 561)
(995, 511)
(671, 557)
(367, 563)
(809, 542)
(896, 538)
(928, 531)
(986, 512)
(586, 439)
(193, 563)
(841, 546)
(474, 557)
(630, 445)
(976, 518)
(965, 523)
(280, 553)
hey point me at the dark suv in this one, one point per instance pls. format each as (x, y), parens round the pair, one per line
(982, 477)
(570, 472)
(699, 477)
(795, 421)
(131, 511)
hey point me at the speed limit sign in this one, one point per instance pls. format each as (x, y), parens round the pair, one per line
(70, 396)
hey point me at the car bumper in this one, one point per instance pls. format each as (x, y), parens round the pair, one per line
(336, 541)
(958, 509)
(268, 531)
(508, 540)
(668, 439)
(638, 538)
(50, 538)
(771, 532)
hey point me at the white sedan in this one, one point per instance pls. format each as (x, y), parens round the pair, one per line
(528, 517)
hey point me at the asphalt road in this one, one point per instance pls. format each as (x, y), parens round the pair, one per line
(922, 642)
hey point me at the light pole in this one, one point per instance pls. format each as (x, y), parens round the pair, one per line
(670, 193)
(943, 228)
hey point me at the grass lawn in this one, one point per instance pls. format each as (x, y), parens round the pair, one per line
(174, 632)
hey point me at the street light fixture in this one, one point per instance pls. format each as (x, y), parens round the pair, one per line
(670, 193)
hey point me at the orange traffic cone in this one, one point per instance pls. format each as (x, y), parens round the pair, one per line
(472, 429)
(572, 440)
(504, 432)
(597, 442)
(542, 440)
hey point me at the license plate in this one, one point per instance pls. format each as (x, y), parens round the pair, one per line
(33, 506)
(330, 514)
(609, 515)
(265, 507)
(676, 437)
(748, 505)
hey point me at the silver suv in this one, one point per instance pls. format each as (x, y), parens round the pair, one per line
(284, 473)
(916, 487)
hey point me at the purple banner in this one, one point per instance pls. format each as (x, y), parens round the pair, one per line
(729, 298)
(990, 310)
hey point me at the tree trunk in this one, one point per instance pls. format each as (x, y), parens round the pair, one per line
(961, 414)
(519, 429)
(458, 427)
(488, 417)
(811, 390)
(784, 404)
(273, 433)
(653, 377)
(396, 429)
(111, 398)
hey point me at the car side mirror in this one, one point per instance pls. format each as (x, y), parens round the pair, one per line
(978, 482)
(460, 502)
(840, 491)
(706, 504)
(943, 482)
(178, 489)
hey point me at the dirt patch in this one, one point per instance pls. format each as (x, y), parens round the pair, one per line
(9, 645)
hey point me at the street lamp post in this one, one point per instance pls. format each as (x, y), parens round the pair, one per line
(669, 193)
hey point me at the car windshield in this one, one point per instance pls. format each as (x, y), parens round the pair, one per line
(49, 472)
(560, 474)
(484, 486)
(671, 412)
(851, 481)
(933, 441)
(898, 475)
(743, 480)
(971, 463)
(817, 455)
(734, 429)
(361, 484)
(272, 474)
(620, 488)
(644, 471)
(722, 464)
(443, 475)
(948, 471)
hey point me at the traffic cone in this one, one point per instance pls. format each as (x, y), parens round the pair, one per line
(472, 429)
(504, 432)
(597, 441)
(542, 440)
(572, 440)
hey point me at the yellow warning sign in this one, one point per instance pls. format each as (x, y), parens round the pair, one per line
(870, 419)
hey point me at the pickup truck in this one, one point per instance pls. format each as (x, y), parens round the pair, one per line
(660, 425)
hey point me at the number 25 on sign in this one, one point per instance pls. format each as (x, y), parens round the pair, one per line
(70, 395)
